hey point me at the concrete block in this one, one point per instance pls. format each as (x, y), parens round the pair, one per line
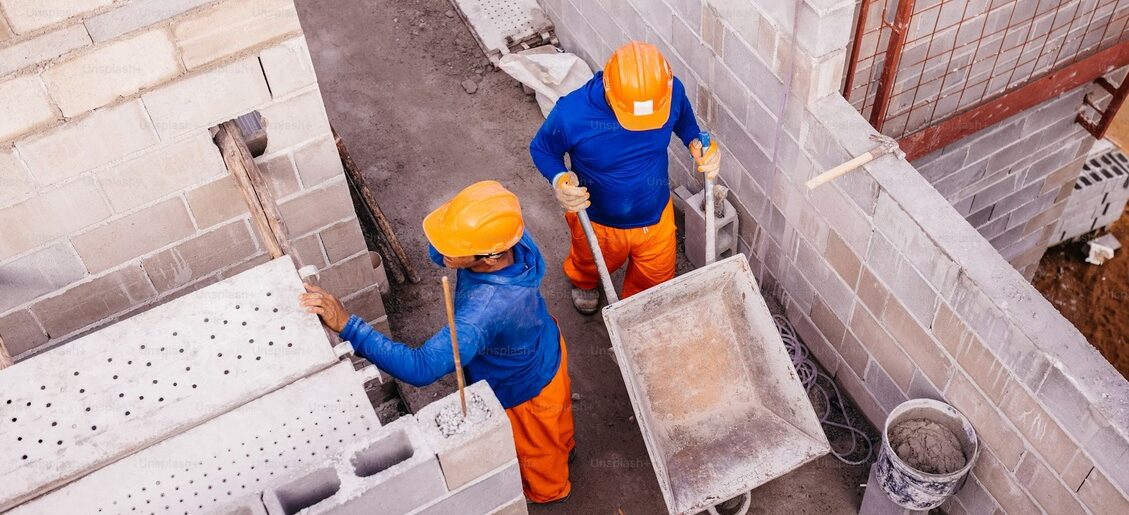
(367, 304)
(349, 276)
(986, 371)
(295, 120)
(135, 15)
(42, 48)
(93, 301)
(903, 280)
(1076, 470)
(1002, 484)
(200, 256)
(991, 426)
(21, 332)
(134, 235)
(392, 471)
(1065, 401)
(888, 394)
(481, 447)
(342, 240)
(871, 291)
(280, 174)
(1050, 494)
(215, 202)
(317, 208)
(1045, 435)
(40, 272)
(27, 106)
(862, 397)
(488, 494)
(245, 448)
(318, 161)
(1101, 496)
(230, 27)
(916, 341)
(119, 131)
(24, 16)
(17, 182)
(885, 350)
(108, 72)
(751, 69)
(161, 171)
(288, 67)
(54, 215)
(517, 506)
(307, 250)
(206, 99)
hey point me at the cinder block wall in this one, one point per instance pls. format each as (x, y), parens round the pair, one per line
(114, 197)
(1098, 196)
(1012, 180)
(895, 293)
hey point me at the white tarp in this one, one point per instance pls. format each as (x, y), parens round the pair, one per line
(550, 73)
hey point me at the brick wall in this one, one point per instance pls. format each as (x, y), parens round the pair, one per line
(114, 197)
(1011, 181)
(895, 293)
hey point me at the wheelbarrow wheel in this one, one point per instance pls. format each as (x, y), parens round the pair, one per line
(736, 506)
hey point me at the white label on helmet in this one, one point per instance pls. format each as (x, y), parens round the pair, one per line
(644, 108)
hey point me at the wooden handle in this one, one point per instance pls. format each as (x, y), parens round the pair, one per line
(454, 341)
(842, 169)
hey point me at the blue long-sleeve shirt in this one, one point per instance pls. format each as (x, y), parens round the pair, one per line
(625, 171)
(506, 335)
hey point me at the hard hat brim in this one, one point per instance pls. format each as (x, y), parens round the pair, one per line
(440, 236)
(650, 122)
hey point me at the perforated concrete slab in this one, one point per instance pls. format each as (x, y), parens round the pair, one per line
(132, 384)
(217, 464)
(493, 21)
(716, 396)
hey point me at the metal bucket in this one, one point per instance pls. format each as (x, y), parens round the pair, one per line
(914, 489)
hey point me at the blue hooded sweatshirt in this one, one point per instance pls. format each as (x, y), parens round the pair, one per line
(625, 171)
(506, 335)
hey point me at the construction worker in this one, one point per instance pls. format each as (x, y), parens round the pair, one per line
(505, 334)
(615, 130)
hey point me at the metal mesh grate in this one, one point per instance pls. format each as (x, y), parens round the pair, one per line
(116, 390)
(496, 23)
(286, 433)
(960, 53)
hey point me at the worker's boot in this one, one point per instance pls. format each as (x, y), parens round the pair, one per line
(586, 302)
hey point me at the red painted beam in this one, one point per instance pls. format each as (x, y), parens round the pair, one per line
(890, 65)
(1013, 102)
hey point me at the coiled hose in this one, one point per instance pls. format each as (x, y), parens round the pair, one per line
(815, 381)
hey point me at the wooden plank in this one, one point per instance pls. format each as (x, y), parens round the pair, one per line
(1013, 102)
(254, 188)
(353, 173)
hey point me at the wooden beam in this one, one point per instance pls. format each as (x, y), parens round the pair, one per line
(254, 188)
(1013, 102)
(890, 65)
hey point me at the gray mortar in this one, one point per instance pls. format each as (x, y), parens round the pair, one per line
(451, 420)
(927, 446)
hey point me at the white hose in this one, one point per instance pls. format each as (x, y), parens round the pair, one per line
(810, 376)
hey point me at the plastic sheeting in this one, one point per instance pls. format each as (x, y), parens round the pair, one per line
(548, 72)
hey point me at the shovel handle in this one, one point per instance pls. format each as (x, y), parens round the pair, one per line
(594, 245)
(711, 222)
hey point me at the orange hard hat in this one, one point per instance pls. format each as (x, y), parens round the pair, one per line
(638, 85)
(484, 218)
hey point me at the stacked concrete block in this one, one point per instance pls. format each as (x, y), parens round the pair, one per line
(221, 464)
(102, 94)
(1098, 197)
(885, 281)
(1012, 181)
(411, 466)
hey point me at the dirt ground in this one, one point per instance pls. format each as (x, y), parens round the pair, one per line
(391, 74)
(1094, 298)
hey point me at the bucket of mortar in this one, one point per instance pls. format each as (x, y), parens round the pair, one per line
(916, 489)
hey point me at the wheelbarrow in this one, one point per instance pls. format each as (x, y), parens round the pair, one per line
(714, 391)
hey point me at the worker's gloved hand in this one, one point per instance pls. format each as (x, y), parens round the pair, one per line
(323, 304)
(570, 195)
(709, 164)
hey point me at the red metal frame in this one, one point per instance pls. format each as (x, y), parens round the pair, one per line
(1117, 98)
(890, 65)
(1024, 97)
(856, 44)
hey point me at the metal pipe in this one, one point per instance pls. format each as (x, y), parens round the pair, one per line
(852, 62)
(890, 65)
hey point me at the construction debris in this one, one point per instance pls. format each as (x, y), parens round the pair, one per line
(1102, 249)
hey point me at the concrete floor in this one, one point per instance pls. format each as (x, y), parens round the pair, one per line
(390, 72)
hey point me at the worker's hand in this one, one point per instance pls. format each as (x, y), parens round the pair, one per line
(710, 164)
(323, 304)
(571, 196)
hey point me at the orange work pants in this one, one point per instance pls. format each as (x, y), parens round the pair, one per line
(543, 430)
(650, 253)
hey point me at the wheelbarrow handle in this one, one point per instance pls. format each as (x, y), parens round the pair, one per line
(594, 245)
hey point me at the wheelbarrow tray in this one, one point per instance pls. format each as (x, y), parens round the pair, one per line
(718, 400)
